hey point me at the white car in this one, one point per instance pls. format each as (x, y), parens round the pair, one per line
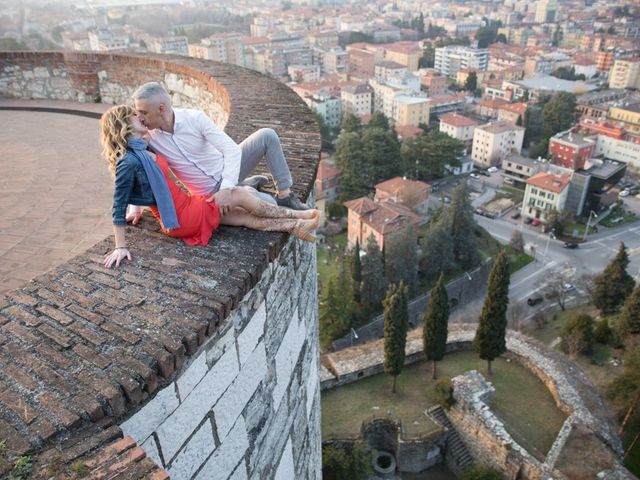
(567, 287)
(492, 169)
(474, 175)
(624, 193)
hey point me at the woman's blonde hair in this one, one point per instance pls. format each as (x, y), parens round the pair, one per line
(115, 128)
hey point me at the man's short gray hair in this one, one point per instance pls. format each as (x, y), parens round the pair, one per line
(152, 90)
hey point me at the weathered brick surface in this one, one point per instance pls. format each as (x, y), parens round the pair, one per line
(89, 341)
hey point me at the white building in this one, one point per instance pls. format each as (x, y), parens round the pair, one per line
(357, 99)
(617, 149)
(494, 141)
(458, 126)
(108, 41)
(388, 71)
(304, 73)
(448, 60)
(222, 47)
(171, 45)
(327, 106)
(544, 192)
(546, 11)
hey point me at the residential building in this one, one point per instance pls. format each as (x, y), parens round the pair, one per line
(363, 57)
(516, 169)
(108, 41)
(326, 186)
(494, 141)
(410, 109)
(304, 73)
(381, 221)
(571, 150)
(332, 60)
(620, 149)
(459, 127)
(171, 45)
(628, 115)
(327, 106)
(546, 11)
(357, 99)
(404, 53)
(546, 85)
(441, 104)
(434, 83)
(544, 192)
(76, 40)
(596, 104)
(222, 47)
(512, 112)
(387, 70)
(489, 107)
(625, 73)
(448, 60)
(411, 193)
(586, 67)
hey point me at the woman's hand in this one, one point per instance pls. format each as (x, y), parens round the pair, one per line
(117, 256)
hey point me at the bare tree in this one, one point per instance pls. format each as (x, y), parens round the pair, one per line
(585, 283)
(556, 289)
(515, 314)
(517, 241)
(540, 319)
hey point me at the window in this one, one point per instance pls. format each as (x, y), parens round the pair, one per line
(534, 191)
(540, 203)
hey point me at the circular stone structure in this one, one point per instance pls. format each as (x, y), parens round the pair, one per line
(193, 362)
(384, 464)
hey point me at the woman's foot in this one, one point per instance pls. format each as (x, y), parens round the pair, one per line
(303, 228)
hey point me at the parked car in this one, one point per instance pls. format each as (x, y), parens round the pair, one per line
(532, 301)
(474, 175)
(624, 193)
(528, 220)
(484, 172)
(515, 215)
(535, 222)
(567, 287)
(492, 169)
(570, 245)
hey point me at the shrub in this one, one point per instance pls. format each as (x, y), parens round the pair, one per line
(346, 462)
(480, 472)
(444, 393)
(577, 335)
(336, 210)
(603, 333)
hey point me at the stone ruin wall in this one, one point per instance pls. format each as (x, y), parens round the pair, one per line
(207, 357)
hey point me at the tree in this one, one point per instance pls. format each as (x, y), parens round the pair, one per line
(437, 250)
(337, 307)
(471, 84)
(532, 124)
(517, 241)
(396, 317)
(630, 317)
(625, 389)
(349, 157)
(556, 221)
(465, 245)
(428, 55)
(356, 272)
(485, 36)
(382, 151)
(342, 462)
(614, 284)
(379, 120)
(555, 288)
(558, 114)
(435, 324)
(401, 259)
(326, 135)
(350, 123)
(374, 283)
(419, 24)
(577, 335)
(490, 339)
(557, 36)
(501, 38)
(425, 157)
(519, 121)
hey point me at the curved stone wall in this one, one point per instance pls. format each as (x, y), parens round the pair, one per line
(208, 356)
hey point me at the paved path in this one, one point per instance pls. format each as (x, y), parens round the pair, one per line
(55, 190)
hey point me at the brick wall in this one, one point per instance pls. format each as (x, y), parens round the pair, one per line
(207, 356)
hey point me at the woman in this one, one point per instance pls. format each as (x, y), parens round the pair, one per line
(139, 180)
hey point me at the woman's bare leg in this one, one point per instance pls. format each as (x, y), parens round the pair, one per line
(241, 197)
(299, 227)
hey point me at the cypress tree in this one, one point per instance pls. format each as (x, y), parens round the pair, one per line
(435, 326)
(395, 330)
(356, 272)
(630, 317)
(490, 341)
(373, 285)
(614, 284)
(463, 239)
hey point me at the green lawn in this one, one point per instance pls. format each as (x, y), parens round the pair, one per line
(513, 193)
(330, 254)
(521, 400)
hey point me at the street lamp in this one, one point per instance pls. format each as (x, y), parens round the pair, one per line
(586, 230)
(354, 336)
(551, 235)
(468, 276)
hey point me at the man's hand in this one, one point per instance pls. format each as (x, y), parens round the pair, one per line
(117, 256)
(134, 214)
(223, 200)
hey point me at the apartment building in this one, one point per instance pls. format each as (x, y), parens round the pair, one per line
(546, 11)
(327, 106)
(357, 99)
(108, 41)
(434, 83)
(410, 109)
(404, 53)
(625, 73)
(494, 141)
(628, 115)
(387, 71)
(171, 45)
(222, 47)
(571, 150)
(544, 192)
(459, 127)
(512, 112)
(448, 60)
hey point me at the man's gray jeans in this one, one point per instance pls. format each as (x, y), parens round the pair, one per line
(265, 143)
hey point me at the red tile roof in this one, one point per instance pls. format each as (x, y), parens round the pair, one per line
(550, 182)
(520, 108)
(396, 184)
(457, 120)
(361, 206)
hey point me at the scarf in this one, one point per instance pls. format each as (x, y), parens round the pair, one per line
(158, 183)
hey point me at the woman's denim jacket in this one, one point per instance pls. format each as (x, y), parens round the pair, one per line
(132, 187)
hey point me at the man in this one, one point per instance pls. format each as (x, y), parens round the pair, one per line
(205, 159)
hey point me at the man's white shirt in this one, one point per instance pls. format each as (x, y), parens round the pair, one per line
(201, 155)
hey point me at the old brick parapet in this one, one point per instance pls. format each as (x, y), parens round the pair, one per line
(82, 343)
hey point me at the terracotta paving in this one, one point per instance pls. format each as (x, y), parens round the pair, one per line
(55, 190)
